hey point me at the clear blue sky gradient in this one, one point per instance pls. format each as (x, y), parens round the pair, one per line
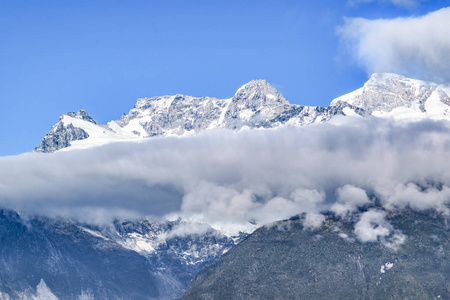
(58, 56)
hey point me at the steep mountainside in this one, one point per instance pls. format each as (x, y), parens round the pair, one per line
(287, 260)
(42, 257)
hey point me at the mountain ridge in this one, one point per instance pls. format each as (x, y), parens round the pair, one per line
(256, 104)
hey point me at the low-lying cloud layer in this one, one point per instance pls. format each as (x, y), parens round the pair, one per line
(244, 178)
(417, 47)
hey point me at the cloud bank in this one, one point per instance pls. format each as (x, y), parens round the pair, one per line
(244, 179)
(417, 47)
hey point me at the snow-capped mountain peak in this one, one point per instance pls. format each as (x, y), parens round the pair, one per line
(388, 94)
(77, 131)
(256, 104)
(257, 94)
(81, 114)
(253, 104)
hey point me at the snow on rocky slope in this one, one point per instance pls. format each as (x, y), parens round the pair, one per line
(256, 104)
(392, 95)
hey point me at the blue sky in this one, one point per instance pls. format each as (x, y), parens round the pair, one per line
(58, 56)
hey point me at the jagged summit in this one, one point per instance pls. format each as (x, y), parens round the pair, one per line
(256, 104)
(72, 127)
(385, 92)
(82, 115)
(253, 105)
(256, 84)
(258, 93)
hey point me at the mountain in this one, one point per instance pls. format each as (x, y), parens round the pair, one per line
(255, 105)
(166, 254)
(392, 95)
(289, 260)
(75, 128)
(44, 258)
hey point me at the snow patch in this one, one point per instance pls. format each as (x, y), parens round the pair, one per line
(91, 232)
(350, 112)
(4, 296)
(346, 237)
(86, 295)
(271, 96)
(224, 110)
(137, 242)
(43, 292)
(98, 134)
(347, 98)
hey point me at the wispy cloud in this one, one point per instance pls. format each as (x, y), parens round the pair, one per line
(416, 46)
(400, 3)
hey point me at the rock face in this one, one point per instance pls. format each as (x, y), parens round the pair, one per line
(125, 260)
(171, 115)
(62, 134)
(60, 137)
(288, 261)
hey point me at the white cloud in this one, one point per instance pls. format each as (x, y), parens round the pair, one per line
(395, 241)
(313, 220)
(372, 226)
(417, 47)
(239, 180)
(415, 196)
(349, 198)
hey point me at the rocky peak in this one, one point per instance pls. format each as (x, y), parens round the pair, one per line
(64, 132)
(384, 92)
(397, 84)
(257, 94)
(82, 115)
